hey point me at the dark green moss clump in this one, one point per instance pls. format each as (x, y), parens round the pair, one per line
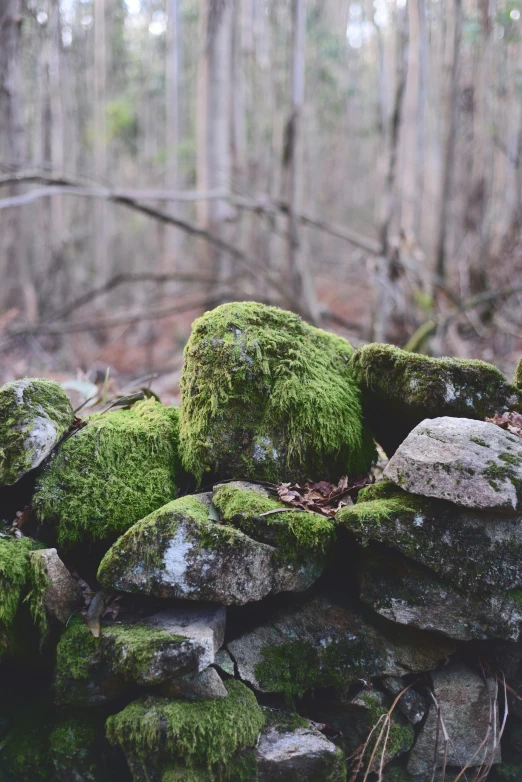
(116, 470)
(34, 415)
(401, 389)
(264, 395)
(296, 534)
(204, 736)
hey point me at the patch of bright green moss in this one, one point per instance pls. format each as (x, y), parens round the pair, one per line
(296, 533)
(39, 581)
(75, 653)
(201, 734)
(375, 504)
(114, 471)
(25, 405)
(264, 395)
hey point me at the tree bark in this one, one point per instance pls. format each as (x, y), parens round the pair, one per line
(449, 148)
(100, 139)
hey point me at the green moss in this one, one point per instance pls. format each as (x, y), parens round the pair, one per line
(264, 395)
(73, 750)
(517, 378)
(515, 596)
(114, 471)
(201, 734)
(294, 532)
(243, 766)
(19, 581)
(121, 650)
(22, 402)
(497, 473)
(401, 735)
(376, 504)
(24, 756)
(39, 581)
(478, 441)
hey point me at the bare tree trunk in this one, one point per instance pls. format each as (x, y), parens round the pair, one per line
(449, 149)
(14, 247)
(170, 237)
(100, 139)
(300, 278)
(213, 109)
(420, 163)
(385, 270)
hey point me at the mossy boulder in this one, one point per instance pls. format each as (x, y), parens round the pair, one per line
(146, 652)
(34, 416)
(109, 474)
(297, 535)
(179, 551)
(476, 551)
(401, 389)
(202, 737)
(402, 592)
(266, 396)
(316, 643)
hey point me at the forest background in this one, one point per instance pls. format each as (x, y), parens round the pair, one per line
(357, 162)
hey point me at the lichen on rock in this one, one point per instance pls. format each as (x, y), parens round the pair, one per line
(266, 396)
(400, 389)
(203, 735)
(34, 415)
(109, 474)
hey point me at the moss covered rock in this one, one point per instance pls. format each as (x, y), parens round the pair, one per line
(34, 415)
(316, 643)
(266, 396)
(149, 651)
(204, 737)
(297, 535)
(180, 552)
(476, 551)
(114, 471)
(401, 389)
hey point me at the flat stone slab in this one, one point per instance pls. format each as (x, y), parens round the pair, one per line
(470, 463)
(149, 651)
(316, 643)
(464, 700)
(403, 593)
(179, 552)
(478, 552)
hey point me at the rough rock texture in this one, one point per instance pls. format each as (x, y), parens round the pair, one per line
(34, 416)
(178, 551)
(204, 686)
(465, 708)
(114, 471)
(409, 595)
(316, 643)
(266, 396)
(471, 463)
(476, 551)
(401, 389)
(93, 670)
(301, 754)
(200, 737)
(62, 595)
(411, 703)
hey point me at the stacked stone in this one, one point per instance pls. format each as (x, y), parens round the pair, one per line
(231, 636)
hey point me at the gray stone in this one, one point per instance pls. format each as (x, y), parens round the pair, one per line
(409, 595)
(471, 463)
(34, 415)
(178, 552)
(478, 552)
(63, 594)
(400, 389)
(465, 701)
(204, 686)
(147, 651)
(224, 662)
(411, 703)
(301, 754)
(315, 643)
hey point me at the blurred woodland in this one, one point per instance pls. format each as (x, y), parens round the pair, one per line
(357, 162)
